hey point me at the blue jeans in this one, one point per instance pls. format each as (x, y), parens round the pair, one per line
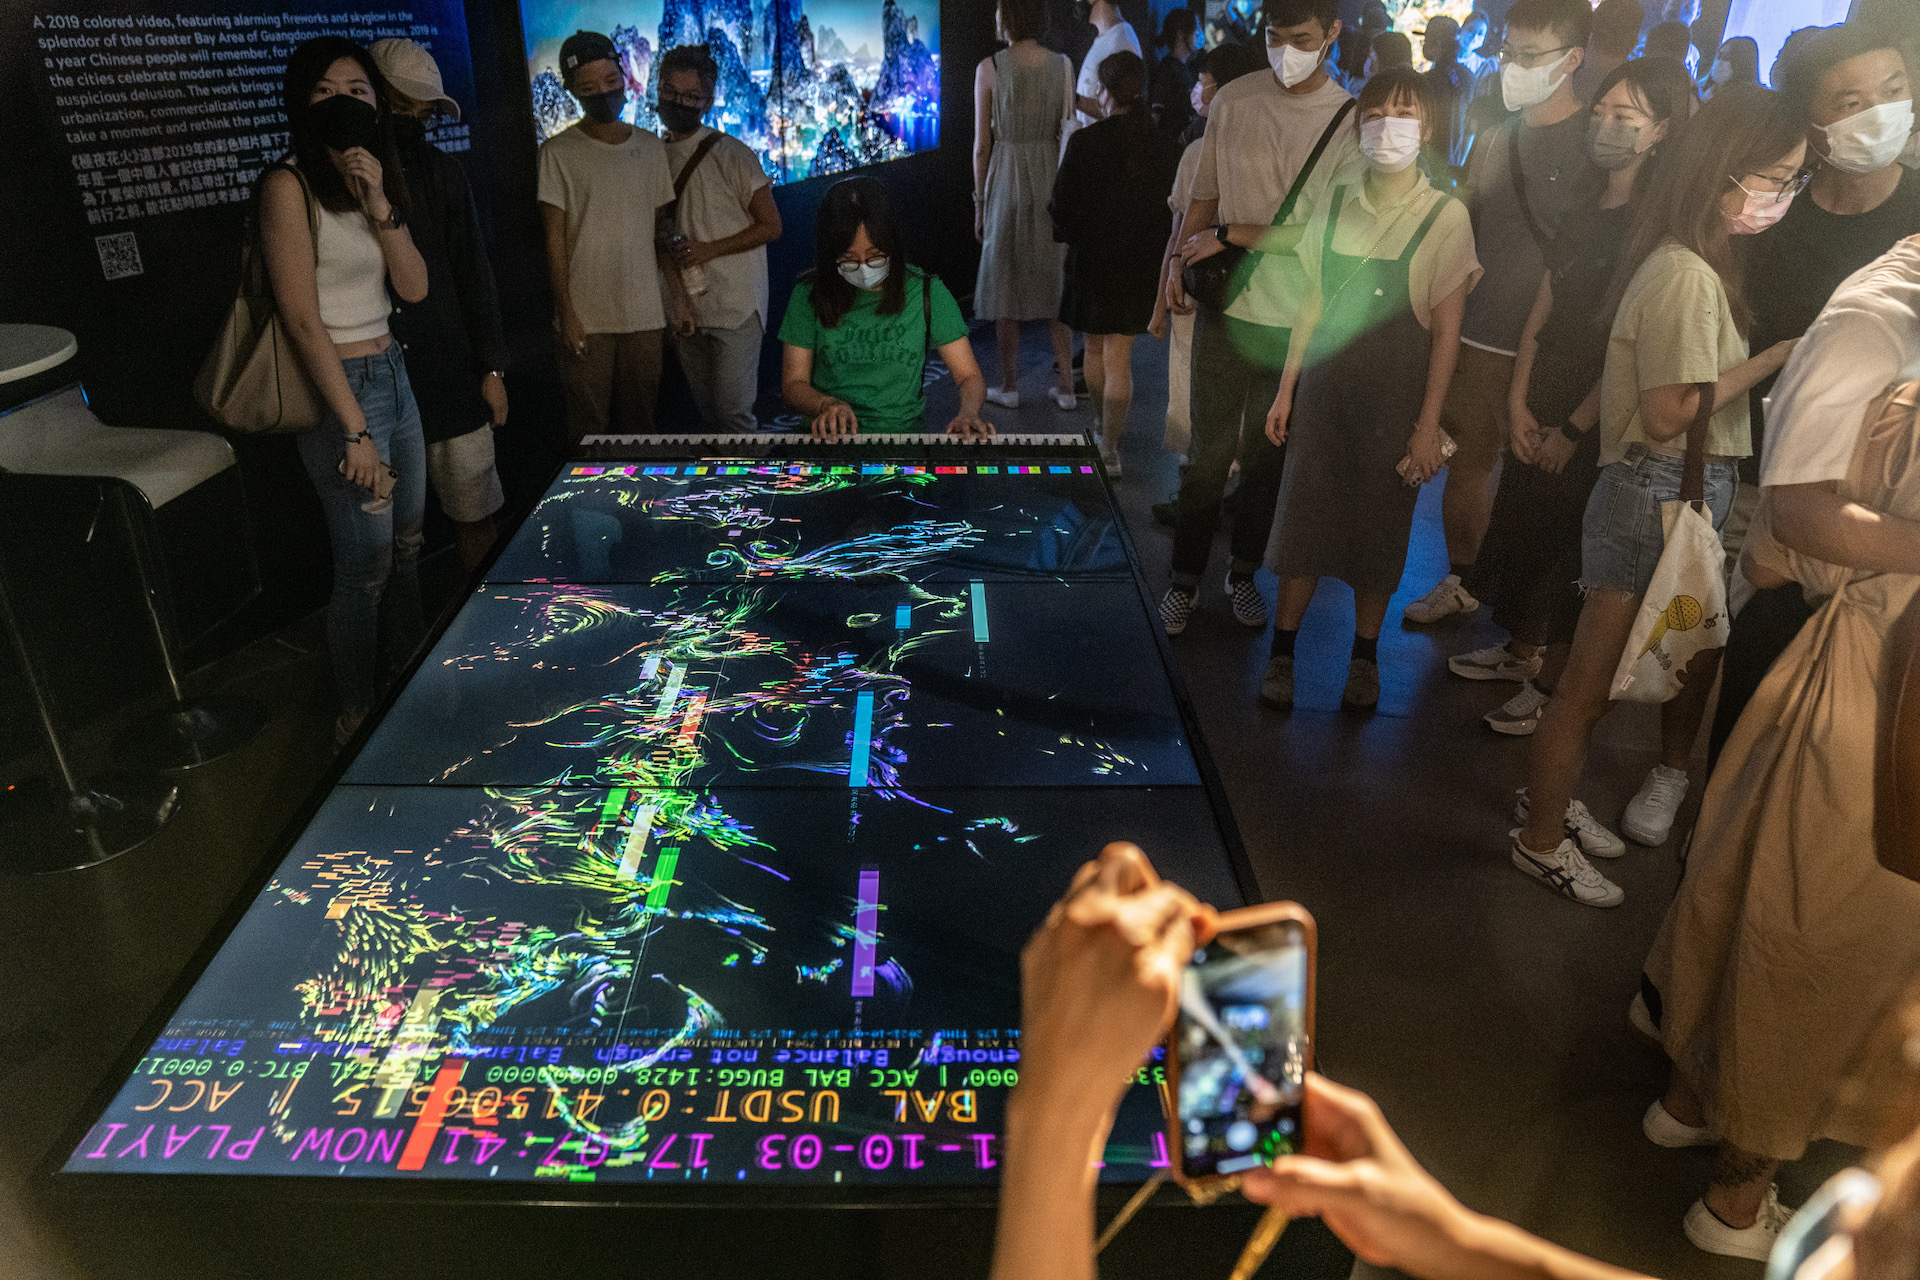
(373, 618)
(1623, 536)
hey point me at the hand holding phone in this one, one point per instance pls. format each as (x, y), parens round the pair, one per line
(1242, 1046)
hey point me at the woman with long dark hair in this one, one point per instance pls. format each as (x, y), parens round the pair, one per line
(1110, 210)
(333, 223)
(1680, 320)
(861, 324)
(1533, 540)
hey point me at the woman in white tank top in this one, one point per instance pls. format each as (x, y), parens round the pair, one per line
(335, 234)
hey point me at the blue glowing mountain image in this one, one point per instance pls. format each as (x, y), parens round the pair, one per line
(799, 80)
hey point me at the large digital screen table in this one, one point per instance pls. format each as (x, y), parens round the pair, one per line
(700, 846)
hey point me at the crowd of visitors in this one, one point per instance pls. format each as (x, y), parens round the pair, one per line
(1586, 280)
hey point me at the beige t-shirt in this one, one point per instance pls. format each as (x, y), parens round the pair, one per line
(610, 193)
(1444, 261)
(713, 207)
(1673, 327)
(1182, 194)
(1258, 137)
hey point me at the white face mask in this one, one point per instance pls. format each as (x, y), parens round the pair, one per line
(1390, 143)
(1870, 139)
(1523, 87)
(1294, 65)
(864, 275)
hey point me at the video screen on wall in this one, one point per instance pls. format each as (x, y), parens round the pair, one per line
(815, 87)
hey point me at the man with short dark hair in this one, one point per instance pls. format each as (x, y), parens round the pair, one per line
(603, 183)
(1856, 85)
(725, 217)
(1390, 49)
(1519, 179)
(1616, 34)
(1261, 130)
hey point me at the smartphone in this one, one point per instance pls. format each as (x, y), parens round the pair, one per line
(1242, 1045)
(384, 478)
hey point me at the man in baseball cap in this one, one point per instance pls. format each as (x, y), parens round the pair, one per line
(452, 341)
(409, 68)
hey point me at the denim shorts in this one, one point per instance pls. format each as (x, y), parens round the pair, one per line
(1623, 536)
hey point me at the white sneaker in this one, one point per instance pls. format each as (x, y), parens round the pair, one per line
(1495, 662)
(1567, 872)
(1176, 608)
(1249, 610)
(1065, 401)
(1005, 399)
(1595, 840)
(1663, 1130)
(1649, 815)
(1754, 1243)
(1640, 1021)
(1448, 597)
(1519, 715)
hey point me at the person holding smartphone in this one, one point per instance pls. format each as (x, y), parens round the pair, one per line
(333, 223)
(1100, 983)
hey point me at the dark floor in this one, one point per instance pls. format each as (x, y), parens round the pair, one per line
(1486, 1015)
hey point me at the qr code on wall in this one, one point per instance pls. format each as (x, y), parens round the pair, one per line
(119, 255)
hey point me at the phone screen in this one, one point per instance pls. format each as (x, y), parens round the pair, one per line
(1243, 1049)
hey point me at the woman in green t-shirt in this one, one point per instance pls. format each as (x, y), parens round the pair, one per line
(860, 326)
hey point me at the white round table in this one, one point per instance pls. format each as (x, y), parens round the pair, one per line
(27, 349)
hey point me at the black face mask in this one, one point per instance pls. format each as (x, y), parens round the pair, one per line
(344, 122)
(409, 131)
(678, 117)
(603, 108)
(1082, 10)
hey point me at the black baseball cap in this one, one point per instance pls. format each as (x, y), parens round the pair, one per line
(583, 47)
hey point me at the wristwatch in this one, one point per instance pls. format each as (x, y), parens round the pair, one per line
(355, 437)
(1572, 432)
(1220, 233)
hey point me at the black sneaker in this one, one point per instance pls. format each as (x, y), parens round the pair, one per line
(1166, 514)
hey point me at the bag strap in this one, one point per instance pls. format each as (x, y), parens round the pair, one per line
(693, 162)
(926, 310)
(1514, 172)
(1693, 474)
(1306, 170)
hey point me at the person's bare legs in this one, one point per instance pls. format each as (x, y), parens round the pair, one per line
(1008, 332)
(1294, 597)
(1094, 366)
(473, 540)
(1738, 1185)
(1559, 746)
(1466, 508)
(1369, 611)
(1116, 392)
(1062, 357)
(1680, 715)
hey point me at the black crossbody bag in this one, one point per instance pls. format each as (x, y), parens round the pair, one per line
(1217, 279)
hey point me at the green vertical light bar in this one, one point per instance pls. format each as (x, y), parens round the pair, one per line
(663, 869)
(980, 612)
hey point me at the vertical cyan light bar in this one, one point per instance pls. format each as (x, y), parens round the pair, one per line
(902, 617)
(980, 612)
(866, 931)
(859, 768)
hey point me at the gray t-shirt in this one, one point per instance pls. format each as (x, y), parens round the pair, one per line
(1552, 160)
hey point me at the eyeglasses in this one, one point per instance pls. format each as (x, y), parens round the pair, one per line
(1788, 190)
(877, 260)
(1508, 55)
(681, 99)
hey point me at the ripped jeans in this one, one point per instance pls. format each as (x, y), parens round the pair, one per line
(373, 618)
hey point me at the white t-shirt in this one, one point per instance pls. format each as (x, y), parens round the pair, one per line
(1115, 38)
(1865, 340)
(715, 206)
(610, 193)
(1258, 137)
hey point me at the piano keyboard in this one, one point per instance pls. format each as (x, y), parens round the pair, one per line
(762, 444)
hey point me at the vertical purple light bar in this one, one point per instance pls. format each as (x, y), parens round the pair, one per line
(866, 931)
